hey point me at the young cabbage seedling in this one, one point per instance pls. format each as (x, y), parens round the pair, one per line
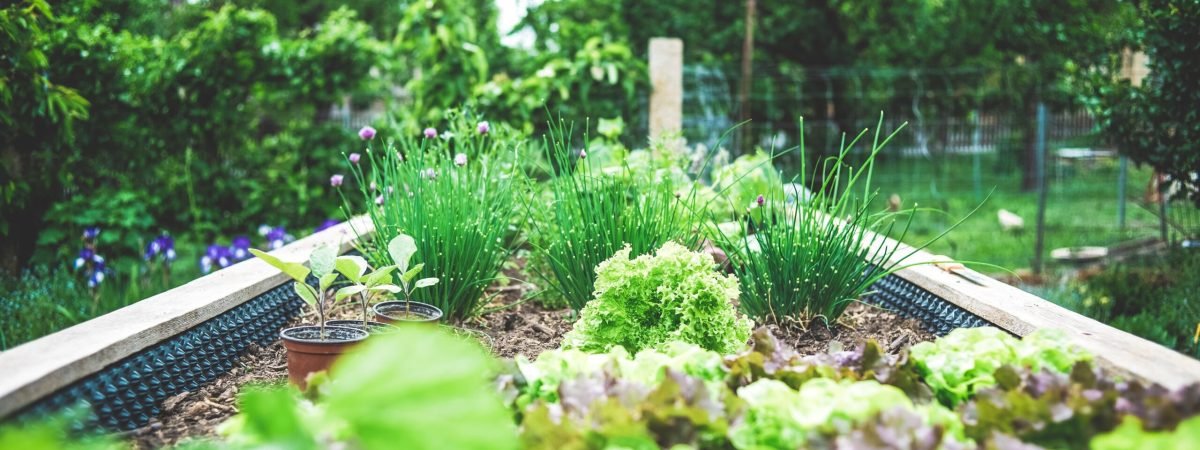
(363, 283)
(402, 248)
(320, 265)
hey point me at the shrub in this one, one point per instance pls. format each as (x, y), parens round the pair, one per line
(674, 294)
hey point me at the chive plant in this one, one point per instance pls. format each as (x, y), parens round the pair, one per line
(591, 215)
(811, 259)
(447, 194)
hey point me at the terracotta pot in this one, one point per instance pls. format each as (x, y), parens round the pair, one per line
(417, 312)
(373, 327)
(307, 353)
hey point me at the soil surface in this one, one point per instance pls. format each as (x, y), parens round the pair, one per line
(515, 326)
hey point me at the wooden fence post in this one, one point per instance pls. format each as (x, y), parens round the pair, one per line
(666, 86)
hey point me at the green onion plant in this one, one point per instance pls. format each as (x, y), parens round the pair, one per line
(810, 259)
(455, 202)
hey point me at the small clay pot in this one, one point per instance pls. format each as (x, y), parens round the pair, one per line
(373, 327)
(394, 312)
(308, 353)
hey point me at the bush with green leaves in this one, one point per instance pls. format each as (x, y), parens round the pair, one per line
(672, 294)
(452, 198)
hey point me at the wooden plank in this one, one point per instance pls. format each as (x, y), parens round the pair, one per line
(1021, 313)
(38, 368)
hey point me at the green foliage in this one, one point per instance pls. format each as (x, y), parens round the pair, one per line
(1155, 123)
(812, 260)
(672, 294)
(321, 263)
(1151, 297)
(1130, 436)
(743, 180)
(440, 40)
(51, 433)
(458, 216)
(779, 417)
(440, 399)
(964, 361)
(591, 216)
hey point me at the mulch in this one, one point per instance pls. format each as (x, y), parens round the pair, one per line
(515, 326)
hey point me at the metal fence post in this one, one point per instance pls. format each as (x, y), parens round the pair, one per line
(1040, 173)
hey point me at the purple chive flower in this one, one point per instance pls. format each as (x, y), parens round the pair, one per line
(354, 157)
(583, 154)
(760, 200)
(366, 133)
(336, 180)
(391, 189)
(374, 186)
(429, 173)
(327, 224)
(430, 133)
(91, 233)
(379, 200)
(484, 127)
(460, 159)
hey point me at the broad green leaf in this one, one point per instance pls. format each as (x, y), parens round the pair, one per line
(412, 273)
(327, 280)
(351, 267)
(386, 288)
(385, 408)
(402, 248)
(348, 291)
(321, 260)
(424, 282)
(383, 275)
(295, 270)
(305, 292)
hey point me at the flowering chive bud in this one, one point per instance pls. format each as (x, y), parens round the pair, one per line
(354, 157)
(484, 127)
(760, 200)
(379, 200)
(583, 154)
(430, 133)
(336, 180)
(374, 186)
(460, 159)
(429, 173)
(366, 133)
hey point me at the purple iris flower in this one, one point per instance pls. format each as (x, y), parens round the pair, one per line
(91, 233)
(239, 250)
(354, 158)
(162, 246)
(484, 127)
(327, 224)
(430, 133)
(85, 256)
(97, 275)
(217, 256)
(366, 133)
(277, 238)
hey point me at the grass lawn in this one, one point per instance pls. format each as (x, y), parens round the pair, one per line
(1081, 206)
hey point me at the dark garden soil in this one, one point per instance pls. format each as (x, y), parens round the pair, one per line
(515, 327)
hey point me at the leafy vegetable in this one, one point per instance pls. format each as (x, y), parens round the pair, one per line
(779, 417)
(673, 294)
(965, 360)
(746, 178)
(1131, 436)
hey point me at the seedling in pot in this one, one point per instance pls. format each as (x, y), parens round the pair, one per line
(320, 265)
(363, 281)
(402, 248)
